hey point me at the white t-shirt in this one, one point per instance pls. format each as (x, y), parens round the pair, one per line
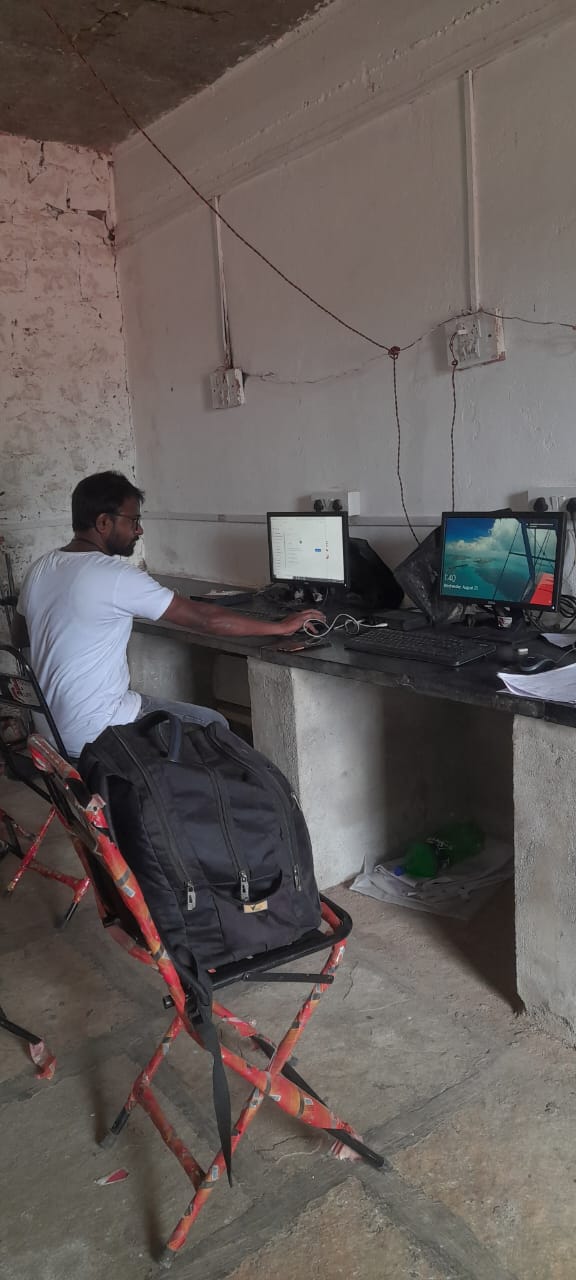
(79, 608)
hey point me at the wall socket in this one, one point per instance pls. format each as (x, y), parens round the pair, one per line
(337, 500)
(227, 388)
(556, 498)
(475, 339)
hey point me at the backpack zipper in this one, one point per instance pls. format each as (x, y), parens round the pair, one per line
(296, 873)
(222, 805)
(173, 851)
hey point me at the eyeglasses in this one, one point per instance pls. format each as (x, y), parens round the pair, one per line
(135, 521)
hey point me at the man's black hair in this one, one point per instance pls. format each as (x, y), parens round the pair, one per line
(100, 494)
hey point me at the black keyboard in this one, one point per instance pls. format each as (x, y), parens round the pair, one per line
(421, 646)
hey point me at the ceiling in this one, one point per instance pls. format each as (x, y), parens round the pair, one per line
(152, 53)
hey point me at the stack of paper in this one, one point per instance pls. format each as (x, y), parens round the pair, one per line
(558, 685)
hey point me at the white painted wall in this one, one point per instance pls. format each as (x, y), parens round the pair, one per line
(341, 154)
(64, 402)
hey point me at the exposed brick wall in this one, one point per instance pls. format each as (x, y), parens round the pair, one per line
(64, 408)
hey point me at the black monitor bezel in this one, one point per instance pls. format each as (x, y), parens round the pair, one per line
(342, 516)
(559, 517)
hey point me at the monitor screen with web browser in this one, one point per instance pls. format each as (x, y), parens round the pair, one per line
(509, 559)
(308, 547)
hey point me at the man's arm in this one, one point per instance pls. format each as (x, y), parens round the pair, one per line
(19, 632)
(213, 620)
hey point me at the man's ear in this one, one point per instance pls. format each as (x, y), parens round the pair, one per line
(103, 524)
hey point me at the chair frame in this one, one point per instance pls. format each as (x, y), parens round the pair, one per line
(20, 691)
(43, 1060)
(124, 913)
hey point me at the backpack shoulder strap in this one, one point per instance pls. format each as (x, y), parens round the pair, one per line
(198, 988)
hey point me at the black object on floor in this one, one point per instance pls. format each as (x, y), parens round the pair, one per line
(15, 1030)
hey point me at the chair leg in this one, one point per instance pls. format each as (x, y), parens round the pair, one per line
(143, 1081)
(83, 886)
(75, 903)
(15, 1030)
(292, 1100)
(341, 1138)
(29, 861)
(43, 1060)
(269, 1048)
(211, 1178)
(280, 1083)
(274, 1084)
(115, 1129)
(31, 853)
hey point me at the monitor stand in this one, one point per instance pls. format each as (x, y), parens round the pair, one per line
(484, 623)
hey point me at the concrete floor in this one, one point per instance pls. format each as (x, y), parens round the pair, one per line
(419, 1045)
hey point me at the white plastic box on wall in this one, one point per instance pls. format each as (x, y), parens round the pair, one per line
(337, 500)
(476, 339)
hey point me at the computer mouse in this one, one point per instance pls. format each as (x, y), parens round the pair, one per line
(533, 662)
(312, 629)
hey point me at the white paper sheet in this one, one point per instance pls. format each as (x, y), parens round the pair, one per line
(558, 685)
(563, 639)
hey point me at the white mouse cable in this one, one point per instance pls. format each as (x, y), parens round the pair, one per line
(341, 622)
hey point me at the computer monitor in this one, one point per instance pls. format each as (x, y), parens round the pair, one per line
(308, 547)
(514, 560)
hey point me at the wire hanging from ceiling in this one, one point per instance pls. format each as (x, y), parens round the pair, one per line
(394, 351)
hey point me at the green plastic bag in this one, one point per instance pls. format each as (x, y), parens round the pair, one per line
(450, 844)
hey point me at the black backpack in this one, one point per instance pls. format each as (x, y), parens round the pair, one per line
(218, 843)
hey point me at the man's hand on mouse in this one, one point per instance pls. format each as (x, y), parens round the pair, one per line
(297, 621)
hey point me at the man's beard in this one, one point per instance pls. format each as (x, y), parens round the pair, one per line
(125, 551)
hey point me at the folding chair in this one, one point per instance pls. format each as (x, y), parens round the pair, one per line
(20, 691)
(124, 913)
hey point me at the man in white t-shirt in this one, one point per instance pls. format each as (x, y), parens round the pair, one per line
(76, 609)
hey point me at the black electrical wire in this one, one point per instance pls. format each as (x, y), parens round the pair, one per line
(204, 199)
(454, 367)
(567, 609)
(394, 353)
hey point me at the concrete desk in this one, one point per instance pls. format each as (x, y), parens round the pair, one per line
(380, 751)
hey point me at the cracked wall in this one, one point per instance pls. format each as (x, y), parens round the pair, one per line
(65, 409)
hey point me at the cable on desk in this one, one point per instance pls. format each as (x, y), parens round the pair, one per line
(342, 622)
